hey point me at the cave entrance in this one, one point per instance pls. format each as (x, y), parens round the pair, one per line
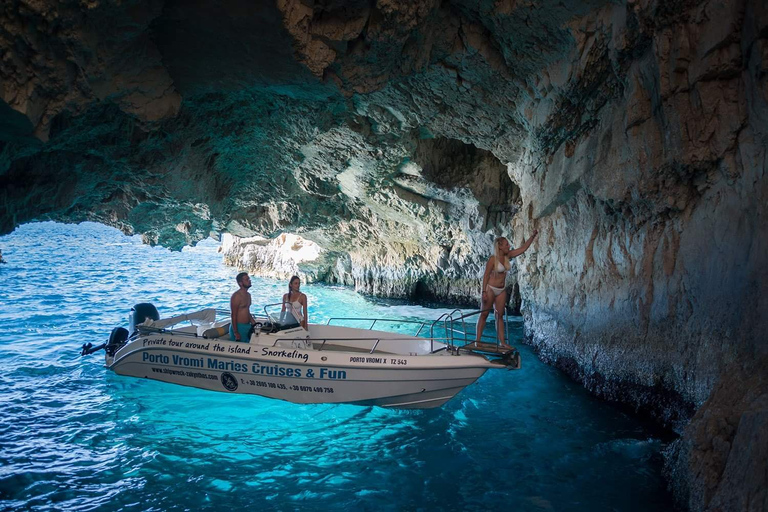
(422, 293)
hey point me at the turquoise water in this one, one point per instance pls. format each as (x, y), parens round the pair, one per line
(76, 437)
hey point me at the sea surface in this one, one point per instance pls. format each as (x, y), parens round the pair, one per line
(74, 436)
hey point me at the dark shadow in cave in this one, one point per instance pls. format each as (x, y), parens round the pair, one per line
(450, 163)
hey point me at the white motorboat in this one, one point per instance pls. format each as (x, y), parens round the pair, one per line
(326, 363)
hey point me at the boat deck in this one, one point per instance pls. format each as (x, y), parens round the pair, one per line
(506, 355)
(488, 348)
(341, 348)
(491, 349)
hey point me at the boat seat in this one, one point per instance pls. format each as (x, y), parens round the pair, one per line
(216, 331)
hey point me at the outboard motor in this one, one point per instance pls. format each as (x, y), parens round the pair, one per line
(119, 336)
(139, 313)
(116, 340)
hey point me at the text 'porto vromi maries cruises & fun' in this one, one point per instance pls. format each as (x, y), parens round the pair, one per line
(326, 363)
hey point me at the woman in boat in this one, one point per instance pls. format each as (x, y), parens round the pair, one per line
(494, 293)
(296, 302)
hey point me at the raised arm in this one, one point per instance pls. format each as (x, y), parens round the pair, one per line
(526, 244)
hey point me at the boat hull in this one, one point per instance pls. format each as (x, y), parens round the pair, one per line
(300, 375)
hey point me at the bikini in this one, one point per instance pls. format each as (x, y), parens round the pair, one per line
(500, 269)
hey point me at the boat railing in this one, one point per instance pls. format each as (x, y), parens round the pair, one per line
(374, 321)
(143, 329)
(455, 327)
(445, 318)
(220, 313)
(273, 317)
(324, 341)
(226, 313)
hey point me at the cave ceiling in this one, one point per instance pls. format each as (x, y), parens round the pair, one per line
(181, 119)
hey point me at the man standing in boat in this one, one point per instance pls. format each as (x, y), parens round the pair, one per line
(240, 306)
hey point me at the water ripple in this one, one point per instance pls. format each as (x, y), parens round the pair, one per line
(76, 437)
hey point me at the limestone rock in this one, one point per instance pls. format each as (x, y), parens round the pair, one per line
(50, 65)
(722, 461)
(280, 257)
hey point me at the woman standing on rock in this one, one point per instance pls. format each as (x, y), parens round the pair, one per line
(494, 293)
(296, 302)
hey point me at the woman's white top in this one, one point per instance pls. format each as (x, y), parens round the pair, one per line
(296, 309)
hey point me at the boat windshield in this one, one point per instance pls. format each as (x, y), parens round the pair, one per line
(281, 320)
(284, 321)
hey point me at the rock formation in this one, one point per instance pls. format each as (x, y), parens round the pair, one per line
(278, 258)
(402, 137)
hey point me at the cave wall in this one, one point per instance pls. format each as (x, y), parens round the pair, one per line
(647, 283)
